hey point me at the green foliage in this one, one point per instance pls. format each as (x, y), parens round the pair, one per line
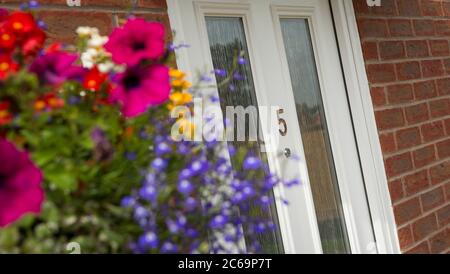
(84, 181)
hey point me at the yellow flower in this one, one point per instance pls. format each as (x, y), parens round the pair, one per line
(187, 128)
(178, 74)
(181, 84)
(180, 98)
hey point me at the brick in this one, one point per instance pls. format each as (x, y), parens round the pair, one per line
(63, 30)
(424, 227)
(432, 199)
(400, 27)
(442, 27)
(424, 27)
(416, 182)
(407, 138)
(432, 68)
(447, 191)
(443, 149)
(422, 248)
(400, 93)
(405, 237)
(417, 113)
(390, 50)
(440, 173)
(431, 8)
(424, 156)
(443, 215)
(425, 90)
(433, 131)
(446, 7)
(408, 7)
(381, 73)
(389, 118)
(396, 165)
(387, 142)
(370, 51)
(439, 47)
(407, 211)
(417, 48)
(447, 126)
(372, 28)
(440, 242)
(408, 70)
(387, 8)
(443, 86)
(396, 190)
(440, 107)
(378, 96)
(447, 65)
(152, 4)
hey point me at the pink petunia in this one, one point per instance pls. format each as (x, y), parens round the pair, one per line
(137, 40)
(56, 67)
(140, 88)
(20, 184)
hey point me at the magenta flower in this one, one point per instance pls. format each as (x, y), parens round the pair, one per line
(3, 15)
(140, 88)
(56, 67)
(135, 41)
(20, 184)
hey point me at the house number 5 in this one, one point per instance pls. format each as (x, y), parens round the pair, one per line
(283, 125)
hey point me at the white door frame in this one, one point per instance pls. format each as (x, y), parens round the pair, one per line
(364, 123)
(366, 131)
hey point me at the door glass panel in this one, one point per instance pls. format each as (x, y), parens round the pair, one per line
(315, 136)
(227, 39)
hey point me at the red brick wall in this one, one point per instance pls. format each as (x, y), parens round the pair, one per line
(62, 20)
(406, 48)
(407, 54)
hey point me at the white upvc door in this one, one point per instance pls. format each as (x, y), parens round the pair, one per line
(295, 67)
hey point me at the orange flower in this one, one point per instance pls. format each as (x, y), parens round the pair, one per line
(5, 114)
(7, 66)
(48, 102)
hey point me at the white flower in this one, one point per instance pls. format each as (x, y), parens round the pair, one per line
(88, 57)
(86, 31)
(97, 41)
(105, 67)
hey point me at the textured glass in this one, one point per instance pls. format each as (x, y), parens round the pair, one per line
(227, 40)
(311, 116)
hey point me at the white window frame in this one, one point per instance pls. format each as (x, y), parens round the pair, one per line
(363, 118)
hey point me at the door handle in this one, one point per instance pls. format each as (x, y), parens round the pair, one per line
(287, 152)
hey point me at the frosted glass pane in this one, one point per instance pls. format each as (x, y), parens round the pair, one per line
(227, 39)
(311, 117)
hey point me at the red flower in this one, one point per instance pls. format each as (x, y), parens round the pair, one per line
(94, 79)
(54, 47)
(7, 65)
(21, 22)
(33, 42)
(7, 39)
(5, 115)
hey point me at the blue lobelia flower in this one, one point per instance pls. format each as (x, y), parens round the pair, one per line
(185, 187)
(251, 163)
(148, 241)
